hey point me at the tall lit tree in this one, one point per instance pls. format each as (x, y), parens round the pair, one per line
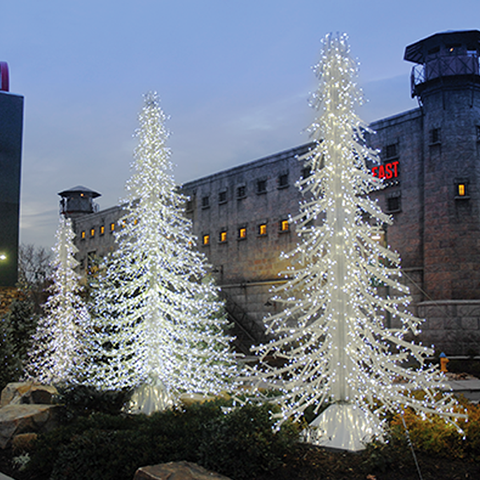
(158, 317)
(331, 334)
(58, 344)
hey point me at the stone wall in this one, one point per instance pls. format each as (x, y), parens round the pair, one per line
(453, 327)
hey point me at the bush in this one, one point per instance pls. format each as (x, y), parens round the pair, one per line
(239, 444)
(244, 443)
(81, 400)
(434, 436)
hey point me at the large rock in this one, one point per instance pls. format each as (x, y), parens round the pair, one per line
(16, 419)
(176, 471)
(27, 393)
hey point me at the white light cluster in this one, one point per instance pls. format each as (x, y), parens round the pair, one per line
(58, 354)
(157, 316)
(331, 334)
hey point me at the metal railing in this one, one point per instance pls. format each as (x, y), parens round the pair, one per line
(444, 66)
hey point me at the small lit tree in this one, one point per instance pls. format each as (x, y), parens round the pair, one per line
(158, 320)
(58, 344)
(331, 334)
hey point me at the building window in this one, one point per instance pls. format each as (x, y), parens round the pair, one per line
(478, 133)
(222, 197)
(391, 151)
(241, 191)
(394, 202)
(284, 226)
(262, 229)
(82, 235)
(102, 229)
(461, 190)
(206, 239)
(435, 136)
(306, 172)
(261, 186)
(283, 180)
(189, 206)
(206, 202)
(92, 232)
(223, 236)
(242, 233)
(112, 227)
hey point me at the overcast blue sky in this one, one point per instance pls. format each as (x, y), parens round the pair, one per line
(234, 76)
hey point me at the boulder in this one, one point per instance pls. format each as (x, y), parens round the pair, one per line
(176, 471)
(16, 419)
(27, 393)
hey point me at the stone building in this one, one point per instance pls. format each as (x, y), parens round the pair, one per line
(429, 166)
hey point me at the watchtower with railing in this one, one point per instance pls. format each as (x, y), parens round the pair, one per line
(444, 60)
(446, 81)
(78, 201)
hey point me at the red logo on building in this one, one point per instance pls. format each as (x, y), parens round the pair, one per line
(4, 84)
(387, 171)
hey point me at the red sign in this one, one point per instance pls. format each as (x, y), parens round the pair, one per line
(4, 76)
(387, 170)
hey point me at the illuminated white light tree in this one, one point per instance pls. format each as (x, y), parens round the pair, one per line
(57, 354)
(331, 334)
(158, 319)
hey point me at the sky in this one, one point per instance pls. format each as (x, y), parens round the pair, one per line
(234, 76)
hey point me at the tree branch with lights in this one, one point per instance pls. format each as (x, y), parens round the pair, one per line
(58, 352)
(331, 335)
(158, 318)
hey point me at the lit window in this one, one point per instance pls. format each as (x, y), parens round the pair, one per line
(284, 226)
(262, 229)
(242, 232)
(112, 227)
(83, 235)
(461, 190)
(92, 232)
(206, 239)
(223, 236)
(102, 229)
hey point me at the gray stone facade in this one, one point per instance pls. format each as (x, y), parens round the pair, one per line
(430, 167)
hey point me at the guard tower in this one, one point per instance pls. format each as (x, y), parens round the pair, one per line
(78, 201)
(11, 127)
(446, 81)
(444, 60)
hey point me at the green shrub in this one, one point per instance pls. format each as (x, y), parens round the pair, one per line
(239, 444)
(81, 400)
(244, 442)
(434, 436)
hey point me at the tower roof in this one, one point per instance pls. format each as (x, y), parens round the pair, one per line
(80, 189)
(417, 52)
